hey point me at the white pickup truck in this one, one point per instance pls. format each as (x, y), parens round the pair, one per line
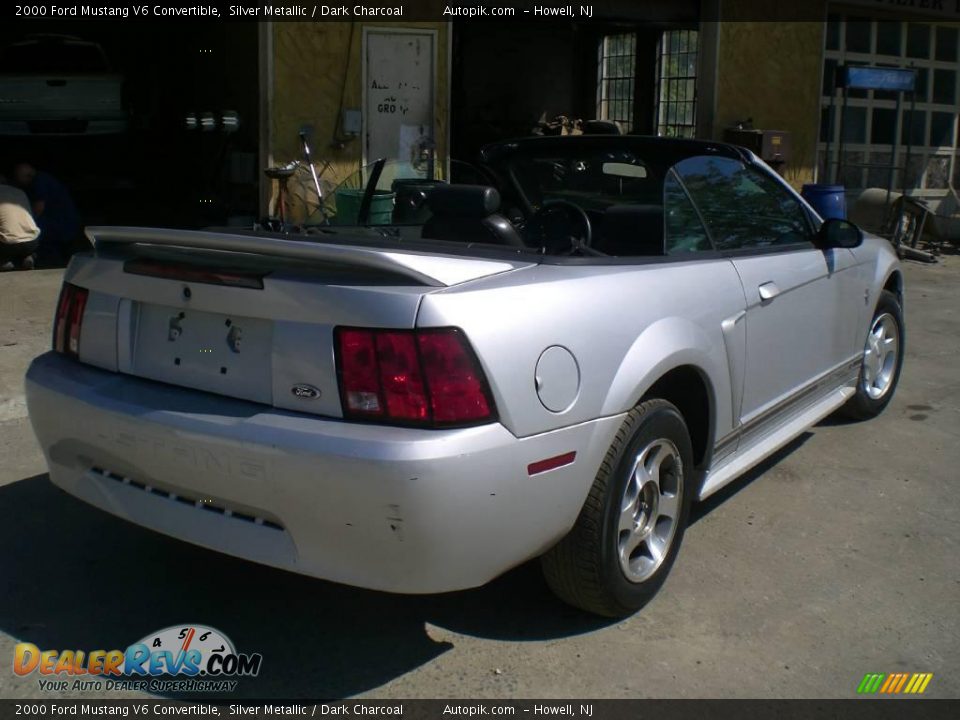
(59, 85)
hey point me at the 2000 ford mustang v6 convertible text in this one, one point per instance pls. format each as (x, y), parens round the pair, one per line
(555, 363)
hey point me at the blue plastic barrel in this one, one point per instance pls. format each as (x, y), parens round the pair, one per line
(828, 200)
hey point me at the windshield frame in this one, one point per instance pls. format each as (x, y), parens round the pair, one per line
(658, 154)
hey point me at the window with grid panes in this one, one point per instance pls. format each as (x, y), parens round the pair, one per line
(676, 107)
(872, 121)
(616, 78)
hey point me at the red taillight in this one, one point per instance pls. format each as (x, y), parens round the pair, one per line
(420, 377)
(400, 378)
(457, 392)
(69, 319)
(359, 373)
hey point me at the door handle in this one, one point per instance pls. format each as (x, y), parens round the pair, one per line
(768, 291)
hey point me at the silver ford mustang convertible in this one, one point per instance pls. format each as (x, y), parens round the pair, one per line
(555, 362)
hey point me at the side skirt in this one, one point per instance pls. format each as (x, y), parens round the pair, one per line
(767, 440)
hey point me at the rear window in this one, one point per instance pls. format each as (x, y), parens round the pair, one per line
(53, 57)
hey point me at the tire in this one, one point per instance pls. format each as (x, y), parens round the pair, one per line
(585, 568)
(878, 379)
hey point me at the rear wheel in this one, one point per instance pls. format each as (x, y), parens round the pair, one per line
(629, 530)
(882, 361)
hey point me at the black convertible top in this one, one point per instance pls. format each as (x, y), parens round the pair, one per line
(659, 151)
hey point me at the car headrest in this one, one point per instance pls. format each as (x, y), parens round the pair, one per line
(633, 230)
(601, 127)
(465, 200)
(410, 206)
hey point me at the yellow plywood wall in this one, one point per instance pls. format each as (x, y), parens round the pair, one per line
(771, 71)
(312, 64)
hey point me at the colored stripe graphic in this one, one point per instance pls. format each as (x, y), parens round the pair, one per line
(894, 683)
(901, 682)
(870, 683)
(891, 679)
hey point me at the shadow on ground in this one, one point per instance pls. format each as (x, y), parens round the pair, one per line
(75, 577)
(702, 509)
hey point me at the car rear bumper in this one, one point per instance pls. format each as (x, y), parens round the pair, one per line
(396, 509)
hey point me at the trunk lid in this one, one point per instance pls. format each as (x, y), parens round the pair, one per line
(248, 316)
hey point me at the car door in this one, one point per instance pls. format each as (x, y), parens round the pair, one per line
(793, 327)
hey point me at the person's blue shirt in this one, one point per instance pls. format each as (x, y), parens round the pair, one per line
(59, 221)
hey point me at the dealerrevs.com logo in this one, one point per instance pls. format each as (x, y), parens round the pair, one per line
(181, 658)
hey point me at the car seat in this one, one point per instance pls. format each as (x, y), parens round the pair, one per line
(468, 213)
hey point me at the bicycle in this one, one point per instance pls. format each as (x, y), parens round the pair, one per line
(295, 169)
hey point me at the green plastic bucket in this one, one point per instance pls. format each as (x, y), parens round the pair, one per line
(349, 201)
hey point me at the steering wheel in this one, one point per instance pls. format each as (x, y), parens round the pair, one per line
(553, 226)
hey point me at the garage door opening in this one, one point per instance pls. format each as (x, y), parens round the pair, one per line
(183, 151)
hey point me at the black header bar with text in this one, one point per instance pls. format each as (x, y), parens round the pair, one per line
(509, 10)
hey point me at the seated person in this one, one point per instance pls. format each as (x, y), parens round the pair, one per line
(18, 231)
(55, 213)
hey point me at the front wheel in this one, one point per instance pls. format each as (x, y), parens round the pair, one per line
(882, 361)
(629, 530)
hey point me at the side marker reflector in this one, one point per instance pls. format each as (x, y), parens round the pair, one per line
(553, 463)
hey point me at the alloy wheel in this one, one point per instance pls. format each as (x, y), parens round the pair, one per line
(650, 509)
(880, 356)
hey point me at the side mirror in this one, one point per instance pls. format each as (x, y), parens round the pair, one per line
(836, 233)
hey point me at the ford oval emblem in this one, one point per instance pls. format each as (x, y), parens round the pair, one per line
(305, 392)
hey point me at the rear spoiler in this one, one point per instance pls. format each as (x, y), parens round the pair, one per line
(428, 269)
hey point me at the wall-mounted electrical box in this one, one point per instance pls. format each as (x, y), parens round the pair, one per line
(772, 146)
(352, 120)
